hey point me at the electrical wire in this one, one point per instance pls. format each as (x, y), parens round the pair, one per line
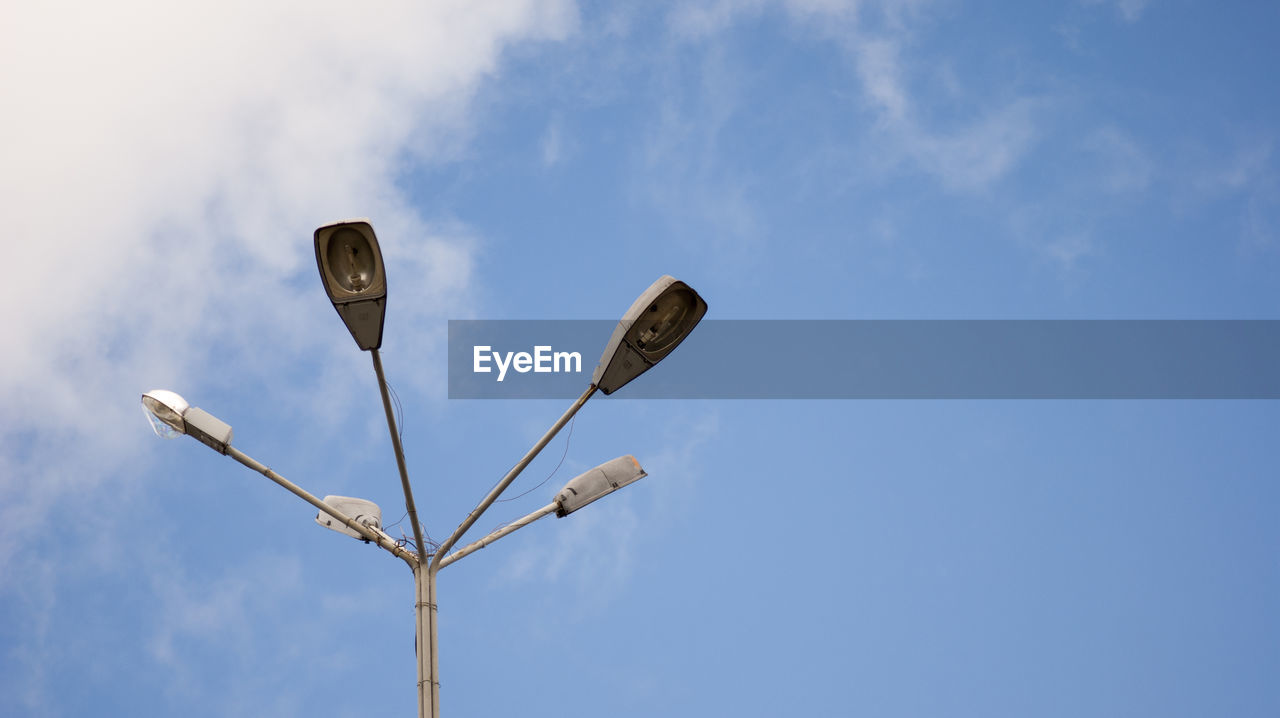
(567, 439)
(388, 527)
(395, 399)
(426, 536)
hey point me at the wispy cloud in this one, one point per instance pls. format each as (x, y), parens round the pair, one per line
(1068, 250)
(1261, 221)
(966, 156)
(1246, 178)
(979, 154)
(1242, 169)
(1125, 166)
(553, 145)
(220, 611)
(682, 162)
(700, 19)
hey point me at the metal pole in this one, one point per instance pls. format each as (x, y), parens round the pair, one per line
(424, 583)
(424, 572)
(434, 676)
(395, 444)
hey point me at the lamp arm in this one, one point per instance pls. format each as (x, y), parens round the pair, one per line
(410, 508)
(377, 537)
(437, 560)
(509, 528)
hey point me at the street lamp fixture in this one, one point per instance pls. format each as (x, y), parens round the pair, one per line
(171, 415)
(172, 411)
(652, 328)
(362, 511)
(580, 491)
(164, 410)
(351, 267)
(598, 483)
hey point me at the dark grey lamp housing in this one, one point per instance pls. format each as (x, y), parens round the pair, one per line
(351, 268)
(651, 329)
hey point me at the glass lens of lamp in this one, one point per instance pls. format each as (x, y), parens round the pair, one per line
(166, 422)
(351, 260)
(663, 322)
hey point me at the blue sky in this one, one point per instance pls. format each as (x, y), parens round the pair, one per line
(812, 159)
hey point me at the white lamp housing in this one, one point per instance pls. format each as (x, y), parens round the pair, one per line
(360, 510)
(600, 481)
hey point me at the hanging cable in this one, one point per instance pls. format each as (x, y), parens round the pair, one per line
(567, 439)
(388, 527)
(395, 398)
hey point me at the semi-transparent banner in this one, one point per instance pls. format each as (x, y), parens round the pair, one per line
(883, 359)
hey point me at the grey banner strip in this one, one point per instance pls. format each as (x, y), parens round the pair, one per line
(884, 359)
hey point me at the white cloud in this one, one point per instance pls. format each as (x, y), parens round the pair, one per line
(164, 168)
(964, 156)
(969, 157)
(1068, 250)
(160, 186)
(977, 155)
(877, 63)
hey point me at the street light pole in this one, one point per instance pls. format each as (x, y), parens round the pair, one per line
(172, 416)
(351, 268)
(424, 586)
(424, 574)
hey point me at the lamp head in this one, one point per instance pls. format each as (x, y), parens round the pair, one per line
(350, 264)
(164, 410)
(652, 328)
(362, 511)
(170, 415)
(598, 482)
